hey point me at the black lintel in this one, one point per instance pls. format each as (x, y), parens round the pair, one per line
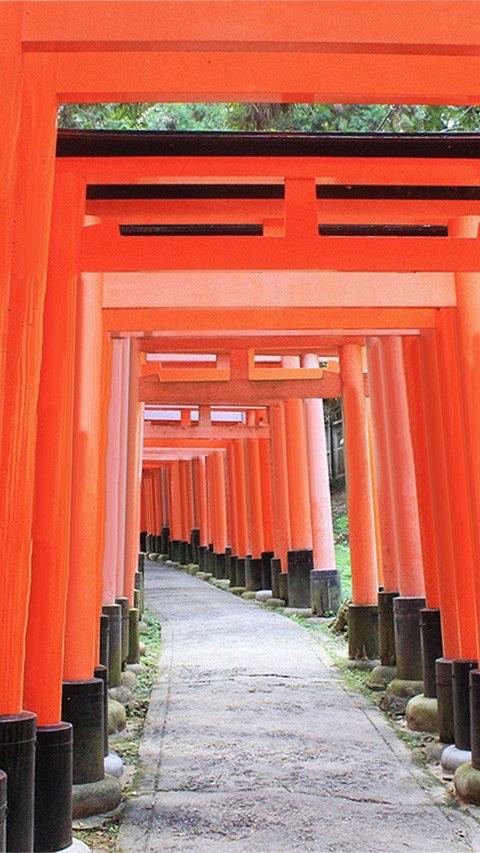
(184, 191)
(334, 230)
(203, 230)
(126, 143)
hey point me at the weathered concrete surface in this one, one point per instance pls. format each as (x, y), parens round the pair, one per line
(252, 744)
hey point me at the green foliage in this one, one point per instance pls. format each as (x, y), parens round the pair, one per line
(307, 118)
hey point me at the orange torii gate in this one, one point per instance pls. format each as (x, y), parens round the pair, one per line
(55, 364)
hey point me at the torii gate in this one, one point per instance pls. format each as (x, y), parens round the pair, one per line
(283, 50)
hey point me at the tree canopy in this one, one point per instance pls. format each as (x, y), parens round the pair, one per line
(313, 118)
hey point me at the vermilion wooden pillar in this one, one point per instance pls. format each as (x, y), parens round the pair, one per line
(219, 509)
(175, 510)
(363, 634)
(325, 578)
(239, 579)
(51, 523)
(457, 467)
(468, 324)
(267, 511)
(254, 513)
(115, 469)
(51, 515)
(134, 455)
(407, 533)
(280, 494)
(200, 484)
(406, 524)
(300, 557)
(231, 513)
(382, 465)
(86, 538)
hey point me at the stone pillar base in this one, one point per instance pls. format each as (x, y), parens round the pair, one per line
(467, 784)
(96, 797)
(443, 679)
(363, 631)
(300, 565)
(406, 612)
(253, 572)
(325, 590)
(267, 557)
(422, 714)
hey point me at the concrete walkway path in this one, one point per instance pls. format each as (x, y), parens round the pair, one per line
(252, 743)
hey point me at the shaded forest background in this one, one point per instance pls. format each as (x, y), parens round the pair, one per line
(307, 118)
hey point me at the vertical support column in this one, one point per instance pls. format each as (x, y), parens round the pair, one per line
(29, 132)
(232, 512)
(242, 517)
(200, 486)
(175, 511)
(280, 495)
(165, 486)
(363, 633)
(300, 557)
(51, 523)
(219, 508)
(254, 510)
(113, 467)
(267, 511)
(83, 703)
(407, 533)
(324, 578)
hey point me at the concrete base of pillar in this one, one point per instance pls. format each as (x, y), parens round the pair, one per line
(220, 566)
(363, 631)
(326, 591)
(113, 765)
(386, 627)
(467, 783)
(253, 574)
(381, 676)
(453, 758)
(240, 573)
(282, 581)
(96, 797)
(267, 557)
(300, 565)
(275, 569)
(175, 550)
(421, 714)
(76, 846)
(406, 614)
(399, 693)
(443, 679)
(231, 568)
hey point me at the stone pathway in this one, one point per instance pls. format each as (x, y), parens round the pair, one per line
(252, 743)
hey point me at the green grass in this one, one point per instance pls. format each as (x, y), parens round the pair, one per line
(342, 554)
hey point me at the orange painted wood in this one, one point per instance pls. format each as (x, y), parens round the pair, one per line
(431, 385)
(418, 430)
(266, 486)
(359, 485)
(406, 526)
(231, 498)
(86, 536)
(280, 493)
(27, 259)
(353, 77)
(133, 473)
(468, 314)
(297, 464)
(176, 525)
(241, 498)
(53, 458)
(105, 250)
(200, 483)
(382, 465)
(320, 504)
(457, 466)
(360, 321)
(254, 497)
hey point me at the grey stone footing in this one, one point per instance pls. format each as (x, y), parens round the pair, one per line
(432, 649)
(363, 631)
(406, 614)
(422, 713)
(96, 797)
(300, 565)
(76, 846)
(381, 676)
(443, 681)
(325, 591)
(253, 573)
(275, 569)
(267, 557)
(452, 758)
(386, 627)
(113, 765)
(398, 694)
(282, 582)
(467, 783)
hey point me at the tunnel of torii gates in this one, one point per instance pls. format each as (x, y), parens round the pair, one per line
(238, 280)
